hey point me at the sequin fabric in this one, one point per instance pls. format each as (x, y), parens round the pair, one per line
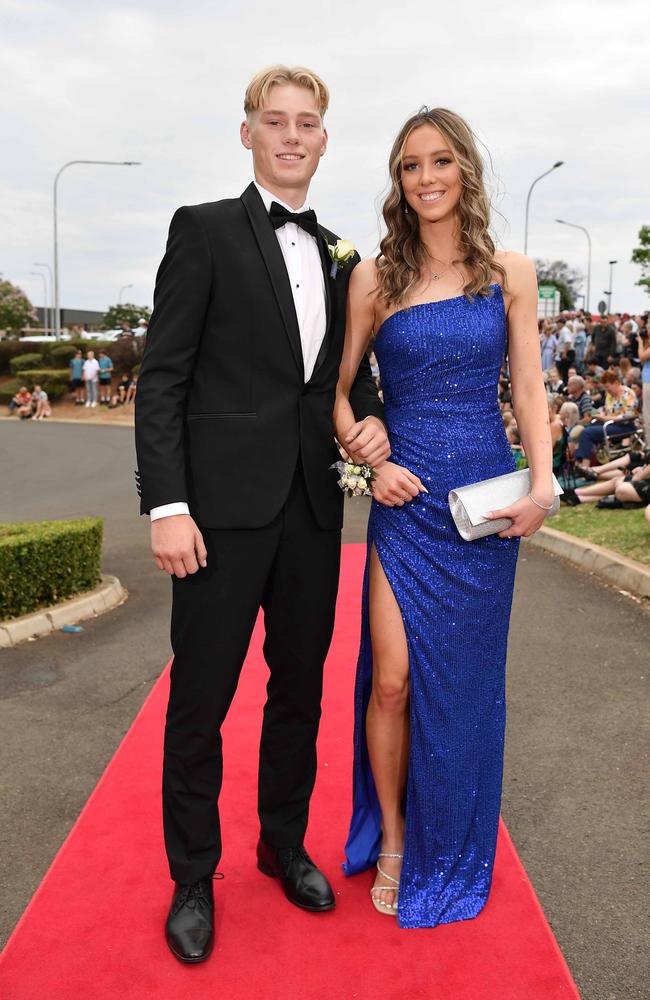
(439, 365)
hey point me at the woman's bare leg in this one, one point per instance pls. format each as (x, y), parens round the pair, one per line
(616, 463)
(387, 719)
(626, 493)
(597, 490)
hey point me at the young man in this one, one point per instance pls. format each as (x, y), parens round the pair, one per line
(234, 440)
(90, 375)
(76, 378)
(105, 378)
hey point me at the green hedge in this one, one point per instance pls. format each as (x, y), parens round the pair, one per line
(62, 354)
(55, 381)
(43, 562)
(9, 389)
(25, 362)
(10, 348)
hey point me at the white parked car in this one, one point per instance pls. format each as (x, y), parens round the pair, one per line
(46, 338)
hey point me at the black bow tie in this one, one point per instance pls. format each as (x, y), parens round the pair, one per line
(279, 216)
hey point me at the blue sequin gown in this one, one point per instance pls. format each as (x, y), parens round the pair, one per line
(439, 364)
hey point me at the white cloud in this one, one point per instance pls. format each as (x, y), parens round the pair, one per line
(163, 83)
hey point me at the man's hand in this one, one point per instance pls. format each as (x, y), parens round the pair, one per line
(177, 545)
(367, 441)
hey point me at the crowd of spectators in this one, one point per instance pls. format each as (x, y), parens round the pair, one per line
(91, 384)
(597, 377)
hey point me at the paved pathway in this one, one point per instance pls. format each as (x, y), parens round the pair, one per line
(574, 756)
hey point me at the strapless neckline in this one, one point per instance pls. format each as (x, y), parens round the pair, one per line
(421, 305)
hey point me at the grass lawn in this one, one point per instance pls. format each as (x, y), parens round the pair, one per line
(624, 531)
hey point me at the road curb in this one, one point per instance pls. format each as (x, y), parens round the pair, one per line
(83, 421)
(105, 597)
(618, 570)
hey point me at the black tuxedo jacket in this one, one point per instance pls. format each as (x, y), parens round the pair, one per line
(222, 411)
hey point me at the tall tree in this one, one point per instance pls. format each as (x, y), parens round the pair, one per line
(125, 312)
(16, 311)
(567, 280)
(641, 256)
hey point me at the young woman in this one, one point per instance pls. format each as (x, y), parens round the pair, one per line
(430, 712)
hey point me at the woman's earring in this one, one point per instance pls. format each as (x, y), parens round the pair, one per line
(406, 208)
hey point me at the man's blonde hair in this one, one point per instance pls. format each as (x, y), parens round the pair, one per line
(257, 90)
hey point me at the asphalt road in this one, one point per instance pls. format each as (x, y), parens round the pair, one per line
(578, 656)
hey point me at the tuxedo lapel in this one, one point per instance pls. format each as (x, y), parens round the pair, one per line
(276, 267)
(329, 300)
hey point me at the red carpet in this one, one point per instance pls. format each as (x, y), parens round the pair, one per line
(94, 928)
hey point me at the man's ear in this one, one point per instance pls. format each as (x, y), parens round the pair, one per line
(245, 135)
(324, 142)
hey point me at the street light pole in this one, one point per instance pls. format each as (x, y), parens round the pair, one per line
(586, 232)
(106, 163)
(50, 310)
(611, 285)
(530, 191)
(39, 274)
(122, 289)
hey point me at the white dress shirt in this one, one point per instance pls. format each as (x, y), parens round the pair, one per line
(305, 270)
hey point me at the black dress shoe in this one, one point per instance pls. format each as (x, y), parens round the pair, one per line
(302, 882)
(190, 924)
(570, 497)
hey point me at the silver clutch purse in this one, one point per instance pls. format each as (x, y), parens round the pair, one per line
(468, 503)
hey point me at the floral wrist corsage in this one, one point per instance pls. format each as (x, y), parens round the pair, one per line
(355, 480)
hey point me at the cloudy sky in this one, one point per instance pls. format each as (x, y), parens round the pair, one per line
(163, 83)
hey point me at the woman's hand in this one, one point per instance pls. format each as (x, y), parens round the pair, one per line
(526, 517)
(394, 485)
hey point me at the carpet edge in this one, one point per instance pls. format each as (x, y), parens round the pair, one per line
(100, 782)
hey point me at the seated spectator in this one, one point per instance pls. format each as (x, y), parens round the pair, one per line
(596, 390)
(130, 392)
(516, 448)
(618, 410)
(612, 470)
(40, 403)
(555, 383)
(569, 414)
(620, 489)
(21, 403)
(577, 393)
(123, 387)
(559, 435)
(594, 369)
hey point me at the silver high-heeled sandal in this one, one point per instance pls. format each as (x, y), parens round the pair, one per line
(388, 909)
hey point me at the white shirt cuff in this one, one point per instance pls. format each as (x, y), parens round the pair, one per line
(168, 510)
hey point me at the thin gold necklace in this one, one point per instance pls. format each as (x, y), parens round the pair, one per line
(436, 275)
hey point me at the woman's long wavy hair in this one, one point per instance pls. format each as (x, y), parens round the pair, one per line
(401, 252)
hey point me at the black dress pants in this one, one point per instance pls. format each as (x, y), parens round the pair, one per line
(290, 568)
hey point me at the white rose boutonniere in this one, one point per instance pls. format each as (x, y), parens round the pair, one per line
(341, 253)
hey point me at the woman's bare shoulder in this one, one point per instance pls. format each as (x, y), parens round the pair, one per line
(365, 273)
(520, 269)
